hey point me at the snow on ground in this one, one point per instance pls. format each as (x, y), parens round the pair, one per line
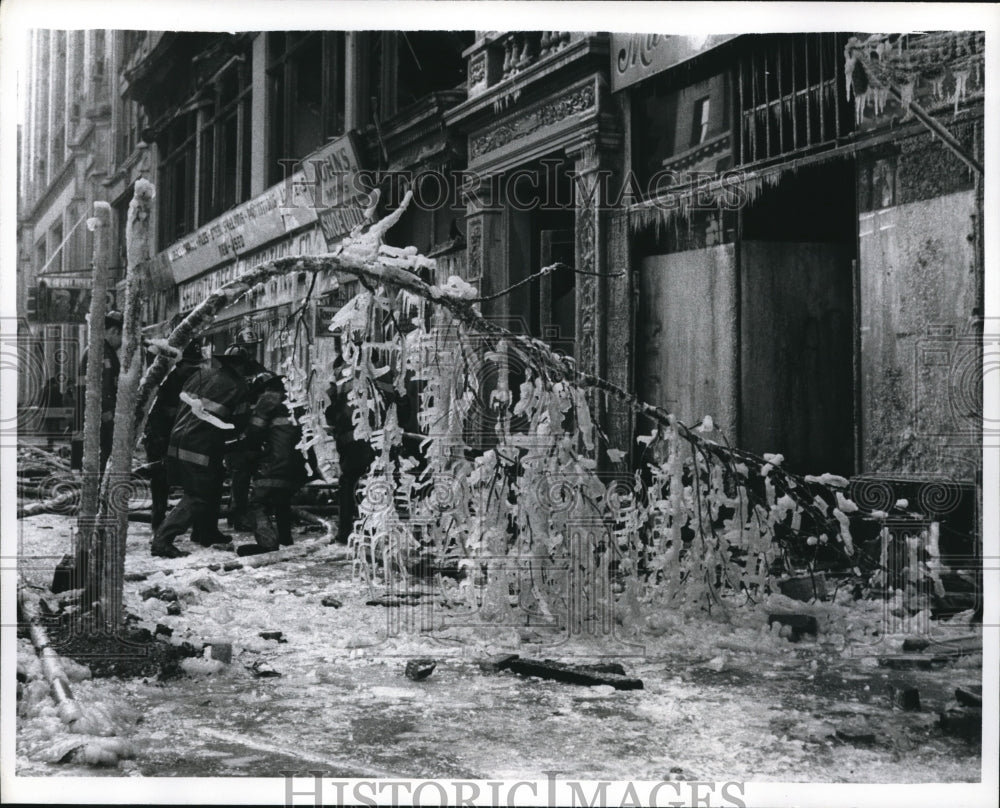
(721, 701)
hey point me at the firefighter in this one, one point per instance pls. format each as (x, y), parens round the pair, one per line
(213, 404)
(239, 461)
(282, 469)
(356, 454)
(160, 422)
(113, 321)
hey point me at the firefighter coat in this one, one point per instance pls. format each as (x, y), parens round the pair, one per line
(165, 408)
(282, 465)
(220, 395)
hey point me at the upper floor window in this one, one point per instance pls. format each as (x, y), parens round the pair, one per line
(406, 66)
(306, 95)
(40, 255)
(205, 153)
(680, 129)
(176, 178)
(131, 121)
(790, 95)
(224, 152)
(55, 245)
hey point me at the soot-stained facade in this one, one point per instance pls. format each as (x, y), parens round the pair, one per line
(809, 261)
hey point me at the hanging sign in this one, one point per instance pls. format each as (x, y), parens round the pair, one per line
(333, 175)
(324, 185)
(635, 57)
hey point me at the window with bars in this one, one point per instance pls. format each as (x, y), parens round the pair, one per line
(789, 95)
(306, 94)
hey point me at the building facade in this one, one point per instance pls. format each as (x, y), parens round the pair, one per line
(65, 152)
(807, 250)
(758, 228)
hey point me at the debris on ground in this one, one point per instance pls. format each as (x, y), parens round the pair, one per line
(418, 669)
(262, 670)
(804, 587)
(797, 625)
(571, 674)
(903, 697)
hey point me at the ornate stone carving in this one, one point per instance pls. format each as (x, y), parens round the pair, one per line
(477, 70)
(475, 250)
(618, 328)
(585, 260)
(572, 103)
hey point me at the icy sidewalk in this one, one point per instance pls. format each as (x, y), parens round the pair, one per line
(721, 702)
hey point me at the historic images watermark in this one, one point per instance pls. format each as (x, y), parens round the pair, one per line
(543, 187)
(42, 368)
(551, 792)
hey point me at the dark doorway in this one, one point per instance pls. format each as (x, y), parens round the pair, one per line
(540, 230)
(797, 386)
(538, 227)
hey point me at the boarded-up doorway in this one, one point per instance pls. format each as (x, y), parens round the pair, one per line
(686, 334)
(796, 354)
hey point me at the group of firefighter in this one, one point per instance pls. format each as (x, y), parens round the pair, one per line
(230, 418)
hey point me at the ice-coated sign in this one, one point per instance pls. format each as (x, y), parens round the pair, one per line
(635, 57)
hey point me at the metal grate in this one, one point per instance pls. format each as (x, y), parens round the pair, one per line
(789, 97)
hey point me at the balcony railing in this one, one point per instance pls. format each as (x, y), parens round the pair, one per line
(501, 55)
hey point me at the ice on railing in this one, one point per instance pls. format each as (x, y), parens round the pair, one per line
(454, 287)
(831, 480)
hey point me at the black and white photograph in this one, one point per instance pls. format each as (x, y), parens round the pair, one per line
(396, 412)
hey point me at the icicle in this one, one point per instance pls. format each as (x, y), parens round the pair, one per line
(906, 97)
(860, 102)
(937, 84)
(845, 530)
(676, 492)
(850, 60)
(881, 95)
(961, 77)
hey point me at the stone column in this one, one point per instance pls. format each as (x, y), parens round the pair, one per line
(604, 321)
(620, 329)
(486, 266)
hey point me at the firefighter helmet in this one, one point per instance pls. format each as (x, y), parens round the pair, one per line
(236, 354)
(263, 380)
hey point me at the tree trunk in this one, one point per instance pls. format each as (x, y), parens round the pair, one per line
(116, 485)
(100, 223)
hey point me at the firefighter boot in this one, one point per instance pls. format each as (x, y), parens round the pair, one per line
(264, 530)
(175, 524)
